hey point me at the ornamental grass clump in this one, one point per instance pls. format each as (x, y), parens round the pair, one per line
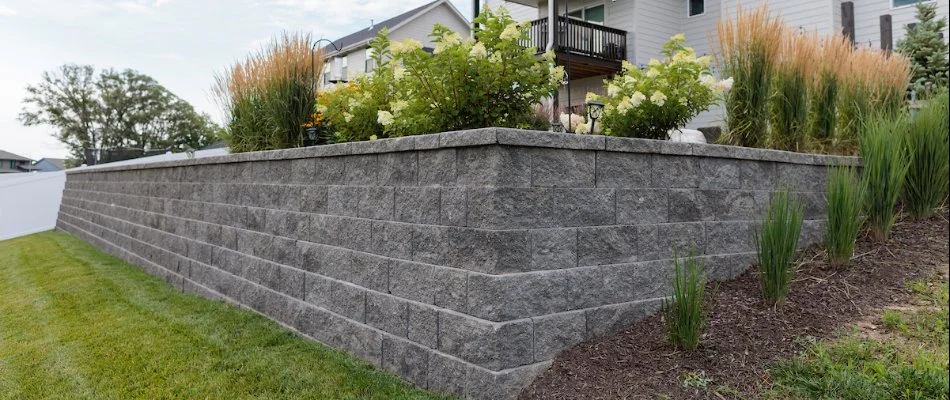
(885, 166)
(748, 49)
(665, 96)
(776, 241)
(928, 151)
(685, 310)
(823, 90)
(872, 81)
(845, 208)
(788, 106)
(268, 97)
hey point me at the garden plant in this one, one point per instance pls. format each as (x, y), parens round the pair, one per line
(885, 166)
(776, 241)
(845, 213)
(685, 310)
(928, 152)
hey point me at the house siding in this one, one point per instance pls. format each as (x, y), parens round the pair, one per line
(518, 11)
(421, 27)
(867, 15)
(807, 15)
(655, 22)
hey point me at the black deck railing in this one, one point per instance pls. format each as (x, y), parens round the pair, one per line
(580, 37)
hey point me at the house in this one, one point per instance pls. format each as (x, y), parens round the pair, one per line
(355, 55)
(12, 163)
(599, 34)
(50, 164)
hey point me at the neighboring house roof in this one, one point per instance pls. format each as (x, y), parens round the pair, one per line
(216, 145)
(363, 36)
(6, 155)
(57, 164)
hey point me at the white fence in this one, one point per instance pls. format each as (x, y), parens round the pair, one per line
(29, 202)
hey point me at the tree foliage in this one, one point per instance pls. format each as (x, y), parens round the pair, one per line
(114, 109)
(925, 47)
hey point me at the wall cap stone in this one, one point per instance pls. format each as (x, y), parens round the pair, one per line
(499, 136)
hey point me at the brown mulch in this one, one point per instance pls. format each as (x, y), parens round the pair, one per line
(743, 336)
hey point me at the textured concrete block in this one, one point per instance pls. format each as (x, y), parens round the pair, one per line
(521, 137)
(310, 199)
(453, 209)
(398, 169)
(408, 360)
(513, 208)
(615, 317)
(419, 205)
(365, 270)
(552, 249)
(719, 173)
(729, 237)
(423, 326)
(447, 375)
(728, 266)
(438, 167)
(493, 346)
(757, 175)
(486, 251)
(562, 168)
(624, 170)
(337, 297)
(428, 244)
(360, 169)
(387, 313)
(361, 201)
(638, 281)
(675, 172)
(711, 205)
(557, 332)
(683, 237)
(508, 297)
(444, 287)
(494, 165)
(292, 282)
(607, 245)
(328, 171)
(642, 206)
(806, 178)
(392, 239)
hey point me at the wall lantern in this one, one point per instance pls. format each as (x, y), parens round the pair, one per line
(595, 110)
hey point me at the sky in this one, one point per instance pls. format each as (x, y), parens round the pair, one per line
(180, 43)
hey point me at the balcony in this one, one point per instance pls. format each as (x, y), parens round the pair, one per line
(585, 49)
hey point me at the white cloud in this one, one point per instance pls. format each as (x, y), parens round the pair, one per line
(7, 11)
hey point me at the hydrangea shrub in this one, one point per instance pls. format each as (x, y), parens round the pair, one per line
(649, 103)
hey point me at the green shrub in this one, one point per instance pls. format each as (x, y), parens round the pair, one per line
(649, 103)
(885, 165)
(268, 98)
(845, 207)
(927, 146)
(927, 49)
(776, 241)
(685, 310)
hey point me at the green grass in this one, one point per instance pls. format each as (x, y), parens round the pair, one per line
(908, 362)
(78, 323)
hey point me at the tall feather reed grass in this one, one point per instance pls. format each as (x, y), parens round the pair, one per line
(871, 81)
(823, 89)
(685, 310)
(776, 241)
(788, 106)
(845, 207)
(885, 166)
(749, 46)
(268, 96)
(928, 148)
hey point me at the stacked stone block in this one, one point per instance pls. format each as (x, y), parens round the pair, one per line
(463, 261)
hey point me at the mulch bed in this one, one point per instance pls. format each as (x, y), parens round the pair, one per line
(743, 336)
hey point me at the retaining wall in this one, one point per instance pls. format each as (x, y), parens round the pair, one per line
(463, 261)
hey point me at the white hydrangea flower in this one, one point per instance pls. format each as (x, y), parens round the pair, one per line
(373, 137)
(658, 98)
(451, 39)
(626, 104)
(726, 84)
(653, 72)
(591, 96)
(510, 33)
(704, 61)
(322, 109)
(549, 56)
(479, 51)
(654, 62)
(557, 74)
(439, 47)
(347, 117)
(637, 98)
(708, 81)
(399, 105)
(679, 37)
(629, 80)
(582, 129)
(385, 118)
(626, 66)
(612, 90)
(684, 101)
(396, 47)
(399, 73)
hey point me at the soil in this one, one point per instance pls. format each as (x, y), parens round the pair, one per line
(744, 336)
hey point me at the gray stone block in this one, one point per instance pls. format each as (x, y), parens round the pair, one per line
(419, 205)
(675, 172)
(453, 209)
(813, 231)
(423, 325)
(558, 332)
(309, 199)
(719, 173)
(624, 170)
(437, 167)
(683, 237)
(398, 169)
(428, 244)
(494, 165)
(392, 239)
(727, 266)
(521, 137)
(485, 384)
(519, 208)
(636, 145)
(360, 169)
(387, 313)
(335, 296)
(614, 318)
(642, 206)
(440, 286)
(292, 282)
(638, 281)
(508, 297)
(447, 375)
(365, 270)
(562, 168)
(729, 237)
(493, 346)
(607, 245)
(328, 171)
(552, 249)
(486, 251)
(408, 360)
(757, 175)
(471, 137)
(805, 178)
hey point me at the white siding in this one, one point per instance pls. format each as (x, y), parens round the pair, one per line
(518, 11)
(701, 29)
(655, 21)
(421, 27)
(867, 20)
(808, 15)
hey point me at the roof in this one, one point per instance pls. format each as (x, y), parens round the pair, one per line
(365, 35)
(58, 162)
(5, 155)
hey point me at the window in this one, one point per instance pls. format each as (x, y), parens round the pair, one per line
(12, 164)
(593, 14)
(696, 7)
(905, 3)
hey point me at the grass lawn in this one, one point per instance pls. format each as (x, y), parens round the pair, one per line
(78, 323)
(902, 354)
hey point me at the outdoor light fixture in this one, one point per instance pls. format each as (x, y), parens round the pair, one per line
(557, 127)
(312, 134)
(595, 110)
(313, 63)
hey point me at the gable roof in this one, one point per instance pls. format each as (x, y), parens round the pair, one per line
(363, 36)
(5, 155)
(57, 162)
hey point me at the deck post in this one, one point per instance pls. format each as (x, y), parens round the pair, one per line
(847, 20)
(887, 37)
